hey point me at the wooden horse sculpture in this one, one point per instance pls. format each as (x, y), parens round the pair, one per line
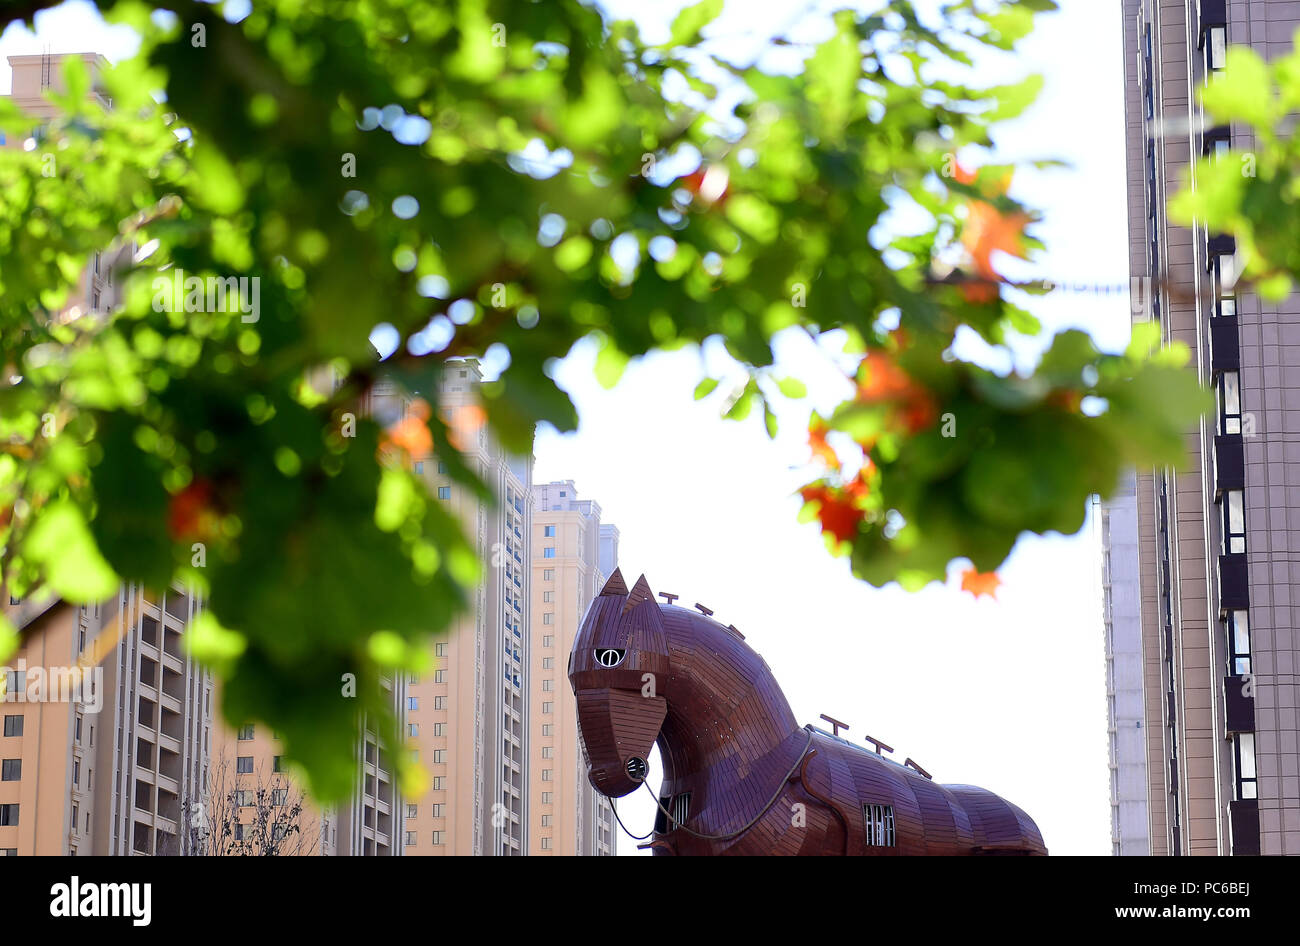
(740, 775)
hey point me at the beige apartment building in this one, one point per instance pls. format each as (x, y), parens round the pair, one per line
(1217, 541)
(569, 816)
(467, 721)
(102, 768)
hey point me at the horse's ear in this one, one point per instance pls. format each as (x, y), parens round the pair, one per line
(640, 592)
(615, 585)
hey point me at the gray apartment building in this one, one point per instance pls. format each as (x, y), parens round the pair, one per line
(1218, 540)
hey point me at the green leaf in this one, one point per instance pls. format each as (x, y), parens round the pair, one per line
(705, 388)
(61, 542)
(688, 23)
(1243, 90)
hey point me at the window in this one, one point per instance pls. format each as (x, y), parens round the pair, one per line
(8, 816)
(410, 839)
(548, 618)
(548, 686)
(1216, 50)
(879, 821)
(546, 821)
(1225, 284)
(244, 798)
(1243, 750)
(439, 702)
(1229, 403)
(77, 735)
(1148, 76)
(437, 837)
(444, 492)
(275, 764)
(548, 532)
(546, 707)
(412, 729)
(11, 770)
(244, 764)
(442, 467)
(548, 596)
(439, 756)
(548, 752)
(1238, 643)
(76, 773)
(548, 640)
(563, 493)
(412, 702)
(548, 552)
(245, 732)
(548, 728)
(280, 797)
(546, 775)
(437, 783)
(1234, 521)
(439, 729)
(546, 844)
(548, 574)
(440, 676)
(437, 811)
(7, 851)
(412, 811)
(440, 650)
(548, 663)
(546, 798)
(419, 466)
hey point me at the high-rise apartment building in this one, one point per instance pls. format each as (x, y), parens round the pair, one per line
(570, 547)
(468, 720)
(107, 726)
(1219, 538)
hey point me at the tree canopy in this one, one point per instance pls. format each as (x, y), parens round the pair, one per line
(523, 175)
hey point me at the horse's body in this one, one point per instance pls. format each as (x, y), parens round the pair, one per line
(741, 776)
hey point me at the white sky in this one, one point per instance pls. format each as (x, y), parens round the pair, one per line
(1008, 695)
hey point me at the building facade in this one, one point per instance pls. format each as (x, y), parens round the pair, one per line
(102, 768)
(570, 547)
(1125, 708)
(1218, 543)
(468, 721)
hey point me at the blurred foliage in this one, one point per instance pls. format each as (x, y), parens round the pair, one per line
(523, 175)
(1254, 193)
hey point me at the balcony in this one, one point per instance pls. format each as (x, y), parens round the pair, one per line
(1229, 463)
(1239, 708)
(1234, 586)
(1243, 816)
(1225, 349)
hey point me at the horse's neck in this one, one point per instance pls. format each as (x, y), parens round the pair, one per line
(705, 726)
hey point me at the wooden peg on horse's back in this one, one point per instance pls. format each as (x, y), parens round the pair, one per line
(835, 724)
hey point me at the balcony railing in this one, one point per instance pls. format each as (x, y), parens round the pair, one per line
(1243, 816)
(1234, 585)
(1239, 709)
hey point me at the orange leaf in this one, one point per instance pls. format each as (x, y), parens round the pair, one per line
(987, 230)
(190, 513)
(821, 450)
(411, 433)
(980, 583)
(838, 513)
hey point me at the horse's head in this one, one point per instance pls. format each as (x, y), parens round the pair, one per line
(618, 669)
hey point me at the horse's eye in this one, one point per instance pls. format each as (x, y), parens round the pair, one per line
(609, 656)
